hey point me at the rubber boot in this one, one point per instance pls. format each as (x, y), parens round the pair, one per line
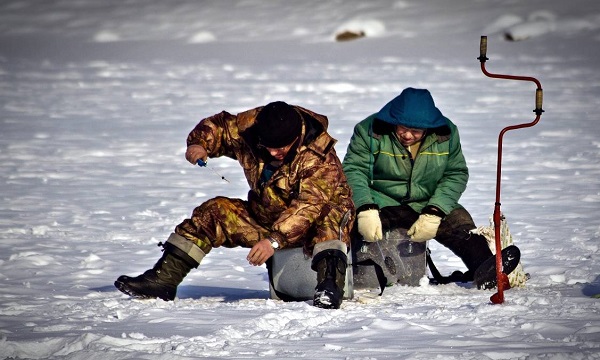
(473, 250)
(162, 280)
(485, 276)
(330, 266)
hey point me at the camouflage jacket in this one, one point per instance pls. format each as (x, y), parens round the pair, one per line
(307, 196)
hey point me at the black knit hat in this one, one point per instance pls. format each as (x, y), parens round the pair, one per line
(278, 125)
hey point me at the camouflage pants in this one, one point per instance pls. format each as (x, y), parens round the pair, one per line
(228, 222)
(453, 232)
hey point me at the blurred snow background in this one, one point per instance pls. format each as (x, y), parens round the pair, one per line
(97, 98)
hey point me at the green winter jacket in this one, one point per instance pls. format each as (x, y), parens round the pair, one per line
(380, 170)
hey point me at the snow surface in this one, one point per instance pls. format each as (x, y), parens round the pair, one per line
(97, 98)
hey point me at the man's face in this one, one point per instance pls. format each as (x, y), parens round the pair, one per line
(409, 136)
(280, 153)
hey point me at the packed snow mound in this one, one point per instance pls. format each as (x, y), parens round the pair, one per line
(516, 28)
(361, 27)
(202, 37)
(106, 36)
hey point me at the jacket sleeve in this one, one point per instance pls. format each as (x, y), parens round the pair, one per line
(357, 163)
(454, 180)
(218, 134)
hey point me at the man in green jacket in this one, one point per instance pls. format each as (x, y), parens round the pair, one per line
(406, 169)
(298, 197)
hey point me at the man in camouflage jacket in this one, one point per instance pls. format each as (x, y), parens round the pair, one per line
(298, 196)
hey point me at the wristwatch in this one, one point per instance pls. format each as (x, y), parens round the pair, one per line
(274, 244)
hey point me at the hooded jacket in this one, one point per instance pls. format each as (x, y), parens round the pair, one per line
(308, 189)
(380, 169)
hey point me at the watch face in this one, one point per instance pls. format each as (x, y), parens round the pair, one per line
(274, 244)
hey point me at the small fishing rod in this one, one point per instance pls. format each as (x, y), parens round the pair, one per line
(203, 163)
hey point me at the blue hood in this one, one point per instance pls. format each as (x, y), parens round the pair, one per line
(413, 108)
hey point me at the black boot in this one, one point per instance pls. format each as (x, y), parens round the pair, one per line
(485, 275)
(162, 280)
(471, 248)
(330, 266)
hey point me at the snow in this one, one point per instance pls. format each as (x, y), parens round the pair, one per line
(97, 98)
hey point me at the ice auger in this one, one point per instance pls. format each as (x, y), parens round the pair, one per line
(502, 278)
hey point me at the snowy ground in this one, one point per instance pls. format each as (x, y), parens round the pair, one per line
(97, 98)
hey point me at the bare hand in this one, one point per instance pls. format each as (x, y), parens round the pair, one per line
(260, 252)
(195, 152)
